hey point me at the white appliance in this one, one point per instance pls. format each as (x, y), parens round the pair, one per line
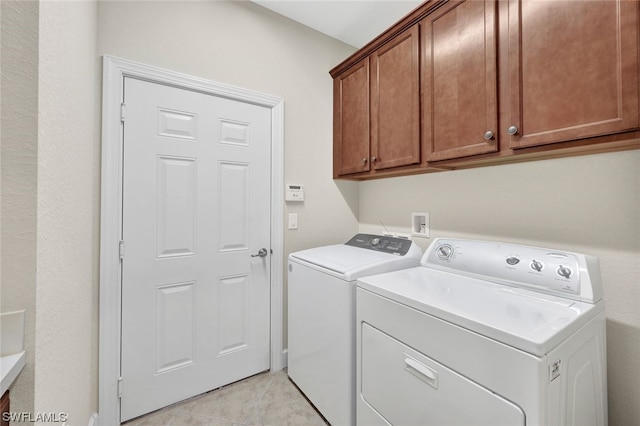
(483, 333)
(321, 316)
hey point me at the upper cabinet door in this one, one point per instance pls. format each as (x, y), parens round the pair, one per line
(573, 70)
(351, 118)
(459, 80)
(395, 102)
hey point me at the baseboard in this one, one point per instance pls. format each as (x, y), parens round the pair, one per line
(285, 358)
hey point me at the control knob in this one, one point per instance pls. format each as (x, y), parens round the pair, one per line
(536, 265)
(564, 271)
(513, 260)
(444, 251)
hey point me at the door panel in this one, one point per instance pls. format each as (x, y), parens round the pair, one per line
(176, 206)
(196, 205)
(175, 333)
(395, 102)
(573, 70)
(234, 191)
(351, 120)
(459, 80)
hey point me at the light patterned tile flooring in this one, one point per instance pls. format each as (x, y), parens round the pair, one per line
(267, 399)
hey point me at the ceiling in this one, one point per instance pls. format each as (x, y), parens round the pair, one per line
(355, 22)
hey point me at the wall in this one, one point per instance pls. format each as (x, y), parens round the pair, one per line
(19, 112)
(67, 214)
(245, 45)
(587, 204)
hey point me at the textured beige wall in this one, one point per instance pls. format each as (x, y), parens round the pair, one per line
(19, 87)
(245, 45)
(68, 146)
(587, 204)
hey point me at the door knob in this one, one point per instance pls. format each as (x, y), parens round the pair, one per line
(261, 253)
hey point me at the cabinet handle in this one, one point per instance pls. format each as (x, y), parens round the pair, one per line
(364, 161)
(488, 135)
(374, 159)
(513, 130)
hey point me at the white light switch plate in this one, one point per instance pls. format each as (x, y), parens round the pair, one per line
(293, 220)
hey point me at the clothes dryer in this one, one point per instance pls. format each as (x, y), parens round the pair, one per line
(483, 333)
(321, 316)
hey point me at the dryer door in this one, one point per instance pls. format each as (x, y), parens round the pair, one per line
(405, 387)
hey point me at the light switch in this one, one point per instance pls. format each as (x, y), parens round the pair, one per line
(293, 220)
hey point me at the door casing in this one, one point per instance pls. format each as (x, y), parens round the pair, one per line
(114, 72)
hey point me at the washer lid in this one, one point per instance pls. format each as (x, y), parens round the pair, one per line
(524, 319)
(353, 262)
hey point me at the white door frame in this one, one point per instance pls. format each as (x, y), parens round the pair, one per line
(114, 72)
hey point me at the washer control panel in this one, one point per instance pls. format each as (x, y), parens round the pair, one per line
(550, 271)
(391, 245)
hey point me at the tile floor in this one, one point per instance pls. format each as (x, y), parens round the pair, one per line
(268, 399)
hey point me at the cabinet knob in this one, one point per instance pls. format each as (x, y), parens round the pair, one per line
(374, 159)
(513, 130)
(488, 135)
(364, 161)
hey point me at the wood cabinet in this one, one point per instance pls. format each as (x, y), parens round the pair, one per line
(459, 80)
(466, 83)
(377, 109)
(573, 70)
(351, 118)
(5, 408)
(395, 102)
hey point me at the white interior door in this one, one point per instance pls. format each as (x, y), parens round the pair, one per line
(196, 207)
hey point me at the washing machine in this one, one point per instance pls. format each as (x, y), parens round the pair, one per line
(483, 333)
(321, 316)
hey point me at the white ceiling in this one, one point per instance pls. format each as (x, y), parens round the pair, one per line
(355, 22)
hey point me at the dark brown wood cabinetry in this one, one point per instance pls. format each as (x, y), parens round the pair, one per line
(5, 407)
(351, 118)
(395, 102)
(459, 80)
(377, 109)
(459, 84)
(573, 70)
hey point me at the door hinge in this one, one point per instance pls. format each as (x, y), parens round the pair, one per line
(119, 387)
(122, 111)
(121, 249)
